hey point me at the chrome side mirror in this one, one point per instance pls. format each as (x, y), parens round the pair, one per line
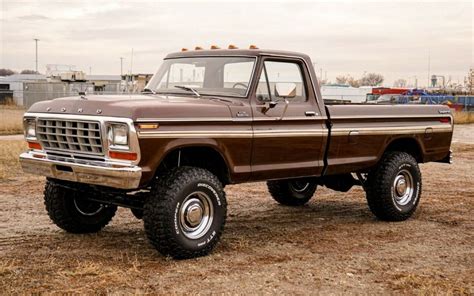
(285, 89)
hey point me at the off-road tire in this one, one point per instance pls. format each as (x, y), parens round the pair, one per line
(62, 205)
(162, 212)
(381, 191)
(285, 192)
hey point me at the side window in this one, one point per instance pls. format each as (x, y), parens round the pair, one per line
(286, 72)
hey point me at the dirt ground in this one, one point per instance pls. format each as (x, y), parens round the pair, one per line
(331, 246)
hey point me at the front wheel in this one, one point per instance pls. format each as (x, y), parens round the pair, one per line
(186, 212)
(394, 187)
(70, 210)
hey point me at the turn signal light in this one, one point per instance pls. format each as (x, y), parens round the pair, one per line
(148, 125)
(34, 145)
(123, 155)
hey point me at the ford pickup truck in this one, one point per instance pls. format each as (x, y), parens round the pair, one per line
(209, 118)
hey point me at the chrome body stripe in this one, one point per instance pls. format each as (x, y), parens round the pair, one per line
(293, 133)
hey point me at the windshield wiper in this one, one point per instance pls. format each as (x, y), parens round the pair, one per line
(148, 90)
(188, 88)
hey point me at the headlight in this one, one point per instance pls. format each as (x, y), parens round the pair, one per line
(30, 128)
(117, 135)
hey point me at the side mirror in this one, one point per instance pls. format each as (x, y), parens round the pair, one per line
(285, 89)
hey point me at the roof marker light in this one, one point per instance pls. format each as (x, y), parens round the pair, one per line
(253, 47)
(184, 49)
(215, 47)
(231, 46)
(198, 48)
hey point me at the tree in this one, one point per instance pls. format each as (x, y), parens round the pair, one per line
(347, 79)
(371, 79)
(29, 72)
(6, 72)
(400, 83)
(341, 79)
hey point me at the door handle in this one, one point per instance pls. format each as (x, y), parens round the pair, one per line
(310, 113)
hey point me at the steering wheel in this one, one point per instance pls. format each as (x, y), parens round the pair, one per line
(240, 84)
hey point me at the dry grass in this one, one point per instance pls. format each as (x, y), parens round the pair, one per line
(9, 152)
(461, 117)
(11, 120)
(331, 246)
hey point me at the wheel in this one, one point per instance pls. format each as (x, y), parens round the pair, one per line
(294, 192)
(74, 213)
(394, 187)
(185, 213)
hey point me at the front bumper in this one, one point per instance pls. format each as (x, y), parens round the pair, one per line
(117, 176)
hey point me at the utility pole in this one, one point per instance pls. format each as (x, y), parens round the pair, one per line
(36, 53)
(121, 67)
(429, 69)
(131, 69)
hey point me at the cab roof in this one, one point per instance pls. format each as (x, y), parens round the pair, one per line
(236, 52)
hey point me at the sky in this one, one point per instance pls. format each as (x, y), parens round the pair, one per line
(399, 39)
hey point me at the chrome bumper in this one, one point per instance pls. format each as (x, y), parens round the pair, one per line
(124, 177)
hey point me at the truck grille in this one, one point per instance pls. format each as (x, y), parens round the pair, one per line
(75, 136)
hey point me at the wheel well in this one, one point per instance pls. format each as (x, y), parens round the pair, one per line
(202, 157)
(408, 145)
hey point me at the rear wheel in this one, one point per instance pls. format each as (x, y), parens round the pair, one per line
(70, 210)
(394, 187)
(292, 192)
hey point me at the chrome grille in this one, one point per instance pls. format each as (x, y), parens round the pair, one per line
(75, 136)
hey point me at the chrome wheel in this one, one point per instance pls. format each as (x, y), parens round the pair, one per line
(403, 188)
(87, 208)
(299, 186)
(196, 215)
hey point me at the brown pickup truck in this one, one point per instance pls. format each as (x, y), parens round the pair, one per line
(209, 118)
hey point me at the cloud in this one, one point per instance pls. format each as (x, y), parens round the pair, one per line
(341, 37)
(33, 17)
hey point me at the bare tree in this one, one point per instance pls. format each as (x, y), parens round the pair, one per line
(347, 79)
(28, 72)
(6, 72)
(371, 79)
(400, 83)
(341, 79)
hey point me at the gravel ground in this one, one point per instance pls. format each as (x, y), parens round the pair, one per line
(333, 245)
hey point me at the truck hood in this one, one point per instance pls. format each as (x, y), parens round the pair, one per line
(137, 106)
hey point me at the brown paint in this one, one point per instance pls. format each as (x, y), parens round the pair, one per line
(357, 143)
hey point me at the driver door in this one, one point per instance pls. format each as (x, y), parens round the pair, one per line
(288, 134)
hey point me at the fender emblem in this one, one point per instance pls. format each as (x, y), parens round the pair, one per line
(444, 111)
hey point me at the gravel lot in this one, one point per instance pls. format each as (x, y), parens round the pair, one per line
(331, 246)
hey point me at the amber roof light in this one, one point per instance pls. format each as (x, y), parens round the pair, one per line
(215, 47)
(253, 47)
(231, 46)
(198, 48)
(184, 49)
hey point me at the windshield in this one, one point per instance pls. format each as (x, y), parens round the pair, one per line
(222, 76)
